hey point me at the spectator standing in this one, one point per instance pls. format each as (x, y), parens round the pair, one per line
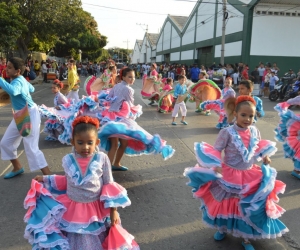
(255, 76)
(37, 67)
(44, 71)
(267, 82)
(195, 71)
(245, 75)
(275, 69)
(235, 77)
(273, 80)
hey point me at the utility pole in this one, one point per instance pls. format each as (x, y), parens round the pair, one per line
(225, 16)
(140, 24)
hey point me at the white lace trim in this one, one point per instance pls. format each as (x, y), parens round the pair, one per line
(238, 143)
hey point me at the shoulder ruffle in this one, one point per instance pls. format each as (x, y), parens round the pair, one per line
(207, 155)
(246, 153)
(114, 195)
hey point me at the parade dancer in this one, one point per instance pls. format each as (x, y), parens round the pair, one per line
(86, 201)
(287, 132)
(73, 81)
(165, 103)
(19, 91)
(53, 126)
(180, 94)
(218, 105)
(238, 196)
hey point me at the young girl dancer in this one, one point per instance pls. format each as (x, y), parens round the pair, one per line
(180, 94)
(287, 132)
(166, 99)
(19, 91)
(59, 98)
(238, 196)
(218, 105)
(124, 93)
(86, 205)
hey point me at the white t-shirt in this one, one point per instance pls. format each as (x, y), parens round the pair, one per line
(261, 71)
(235, 77)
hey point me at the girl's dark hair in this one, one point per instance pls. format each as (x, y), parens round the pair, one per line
(84, 127)
(18, 63)
(169, 80)
(125, 71)
(248, 84)
(111, 67)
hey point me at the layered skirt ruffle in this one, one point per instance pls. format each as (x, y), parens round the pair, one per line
(165, 103)
(287, 132)
(61, 223)
(240, 202)
(139, 140)
(218, 107)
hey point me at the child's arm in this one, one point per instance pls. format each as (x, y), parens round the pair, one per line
(13, 88)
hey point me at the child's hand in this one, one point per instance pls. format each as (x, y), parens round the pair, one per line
(218, 170)
(266, 160)
(114, 216)
(39, 178)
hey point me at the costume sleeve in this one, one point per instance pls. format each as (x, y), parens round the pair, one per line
(62, 99)
(112, 194)
(56, 184)
(129, 97)
(265, 148)
(30, 87)
(222, 140)
(111, 93)
(14, 88)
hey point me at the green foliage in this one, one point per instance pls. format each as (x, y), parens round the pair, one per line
(59, 24)
(11, 26)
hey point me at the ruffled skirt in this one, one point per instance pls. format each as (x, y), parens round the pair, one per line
(240, 202)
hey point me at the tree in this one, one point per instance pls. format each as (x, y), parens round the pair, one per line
(11, 26)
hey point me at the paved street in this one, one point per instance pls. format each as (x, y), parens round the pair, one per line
(163, 214)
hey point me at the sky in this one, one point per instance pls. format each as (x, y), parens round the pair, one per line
(121, 26)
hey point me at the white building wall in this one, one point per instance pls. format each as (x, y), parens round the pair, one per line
(159, 43)
(205, 31)
(231, 49)
(175, 56)
(175, 42)
(234, 23)
(167, 36)
(189, 33)
(136, 54)
(153, 53)
(159, 58)
(278, 36)
(149, 51)
(187, 55)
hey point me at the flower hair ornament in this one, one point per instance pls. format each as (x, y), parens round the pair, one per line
(86, 119)
(58, 83)
(244, 98)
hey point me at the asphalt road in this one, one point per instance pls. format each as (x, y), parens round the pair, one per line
(163, 214)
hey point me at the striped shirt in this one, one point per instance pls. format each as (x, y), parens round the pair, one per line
(123, 92)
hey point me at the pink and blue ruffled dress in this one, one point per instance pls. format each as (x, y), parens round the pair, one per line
(218, 107)
(243, 200)
(288, 129)
(73, 211)
(53, 126)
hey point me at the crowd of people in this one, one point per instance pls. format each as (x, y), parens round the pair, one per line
(78, 210)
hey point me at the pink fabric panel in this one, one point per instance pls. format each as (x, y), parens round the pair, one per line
(210, 150)
(167, 87)
(78, 212)
(245, 135)
(61, 182)
(83, 163)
